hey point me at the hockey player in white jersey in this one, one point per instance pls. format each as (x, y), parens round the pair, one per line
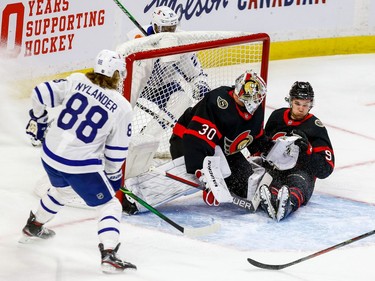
(84, 150)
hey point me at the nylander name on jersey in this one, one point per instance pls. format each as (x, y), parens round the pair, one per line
(91, 132)
(98, 95)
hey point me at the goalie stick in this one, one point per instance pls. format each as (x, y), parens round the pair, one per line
(281, 266)
(162, 122)
(131, 17)
(191, 232)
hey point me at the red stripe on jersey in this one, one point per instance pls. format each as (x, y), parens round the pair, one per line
(179, 130)
(291, 122)
(325, 148)
(202, 137)
(278, 135)
(321, 148)
(208, 123)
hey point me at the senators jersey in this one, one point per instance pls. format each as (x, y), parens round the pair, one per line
(322, 159)
(217, 120)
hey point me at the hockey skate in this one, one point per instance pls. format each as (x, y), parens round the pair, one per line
(128, 205)
(111, 263)
(266, 202)
(283, 203)
(34, 229)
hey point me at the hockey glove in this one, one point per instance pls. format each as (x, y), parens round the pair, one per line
(304, 146)
(302, 142)
(207, 195)
(115, 179)
(36, 127)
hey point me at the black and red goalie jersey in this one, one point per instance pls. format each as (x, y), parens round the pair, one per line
(322, 158)
(216, 120)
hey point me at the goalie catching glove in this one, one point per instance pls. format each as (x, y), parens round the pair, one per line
(36, 127)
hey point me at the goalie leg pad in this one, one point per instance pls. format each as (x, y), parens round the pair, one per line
(157, 189)
(142, 149)
(214, 179)
(265, 181)
(255, 178)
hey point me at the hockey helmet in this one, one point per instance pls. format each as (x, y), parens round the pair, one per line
(301, 90)
(107, 62)
(250, 89)
(164, 19)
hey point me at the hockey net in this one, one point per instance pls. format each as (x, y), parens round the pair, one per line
(168, 72)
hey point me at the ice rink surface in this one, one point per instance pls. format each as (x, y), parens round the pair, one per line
(342, 207)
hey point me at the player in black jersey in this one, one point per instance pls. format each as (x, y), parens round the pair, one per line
(229, 117)
(293, 188)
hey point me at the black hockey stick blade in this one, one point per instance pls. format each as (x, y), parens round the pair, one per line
(281, 266)
(270, 266)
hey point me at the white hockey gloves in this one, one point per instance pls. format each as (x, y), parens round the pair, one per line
(36, 127)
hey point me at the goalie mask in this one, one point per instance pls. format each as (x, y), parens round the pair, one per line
(301, 90)
(164, 19)
(107, 62)
(251, 90)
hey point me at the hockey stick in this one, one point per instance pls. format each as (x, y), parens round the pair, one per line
(191, 232)
(131, 17)
(237, 200)
(162, 122)
(281, 266)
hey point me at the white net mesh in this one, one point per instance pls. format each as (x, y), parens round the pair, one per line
(168, 72)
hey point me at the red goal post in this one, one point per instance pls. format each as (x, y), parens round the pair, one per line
(221, 56)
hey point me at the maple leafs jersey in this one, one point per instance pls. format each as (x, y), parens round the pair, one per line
(92, 130)
(322, 159)
(217, 120)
